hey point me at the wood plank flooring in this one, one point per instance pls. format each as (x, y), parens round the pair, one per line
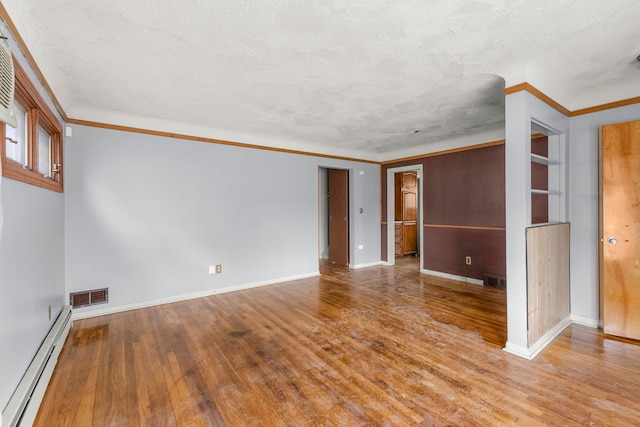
(377, 346)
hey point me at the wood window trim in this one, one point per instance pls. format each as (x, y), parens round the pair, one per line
(39, 114)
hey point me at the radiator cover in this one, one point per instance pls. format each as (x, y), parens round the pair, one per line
(25, 401)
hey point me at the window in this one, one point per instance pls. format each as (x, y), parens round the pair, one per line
(17, 149)
(32, 152)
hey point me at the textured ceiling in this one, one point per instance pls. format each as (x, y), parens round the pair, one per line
(363, 78)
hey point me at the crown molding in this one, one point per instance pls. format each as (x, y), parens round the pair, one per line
(549, 101)
(212, 140)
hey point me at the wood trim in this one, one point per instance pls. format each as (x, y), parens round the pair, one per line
(383, 202)
(515, 89)
(464, 227)
(211, 140)
(56, 159)
(15, 171)
(608, 106)
(440, 153)
(32, 139)
(25, 88)
(30, 59)
(538, 94)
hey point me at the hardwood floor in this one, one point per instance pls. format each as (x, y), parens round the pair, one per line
(377, 346)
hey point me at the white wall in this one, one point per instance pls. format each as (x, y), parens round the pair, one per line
(584, 207)
(365, 226)
(31, 264)
(31, 276)
(147, 215)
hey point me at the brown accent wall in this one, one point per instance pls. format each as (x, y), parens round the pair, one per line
(446, 249)
(465, 188)
(464, 211)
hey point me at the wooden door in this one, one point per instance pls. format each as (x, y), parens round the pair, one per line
(620, 229)
(339, 216)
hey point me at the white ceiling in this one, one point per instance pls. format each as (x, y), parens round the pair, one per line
(373, 79)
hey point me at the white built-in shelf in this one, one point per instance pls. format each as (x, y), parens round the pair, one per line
(544, 160)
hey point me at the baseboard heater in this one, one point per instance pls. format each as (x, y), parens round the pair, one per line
(23, 406)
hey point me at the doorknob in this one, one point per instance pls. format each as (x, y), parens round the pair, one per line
(612, 240)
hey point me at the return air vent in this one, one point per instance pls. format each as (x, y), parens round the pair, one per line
(85, 298)
(492, 281)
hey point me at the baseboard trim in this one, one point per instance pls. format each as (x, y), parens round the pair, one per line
(584, 321)
(371, 264)
(531, 352)
(77, 315)
(517, 350)
(452, 277)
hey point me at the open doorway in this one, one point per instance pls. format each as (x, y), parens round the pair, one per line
(334, 216)
(406, 214)
(404, 210)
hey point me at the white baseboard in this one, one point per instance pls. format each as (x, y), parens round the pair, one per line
(584, 321)
(452, 277)
(541, 344)
(150, 303)
(518, 350)
(371, 264)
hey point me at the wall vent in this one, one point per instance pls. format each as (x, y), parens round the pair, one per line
(7, 83)
(85, 298)
(493, 281)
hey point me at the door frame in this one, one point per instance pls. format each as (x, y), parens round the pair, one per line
(391, 247)
(350, 213)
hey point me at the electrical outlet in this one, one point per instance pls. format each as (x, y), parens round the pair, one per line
(212, 269)
(467, 260)
(218, 268)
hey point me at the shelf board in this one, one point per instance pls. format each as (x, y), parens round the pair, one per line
(535, 158)
(544, 224)
(548, 192)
